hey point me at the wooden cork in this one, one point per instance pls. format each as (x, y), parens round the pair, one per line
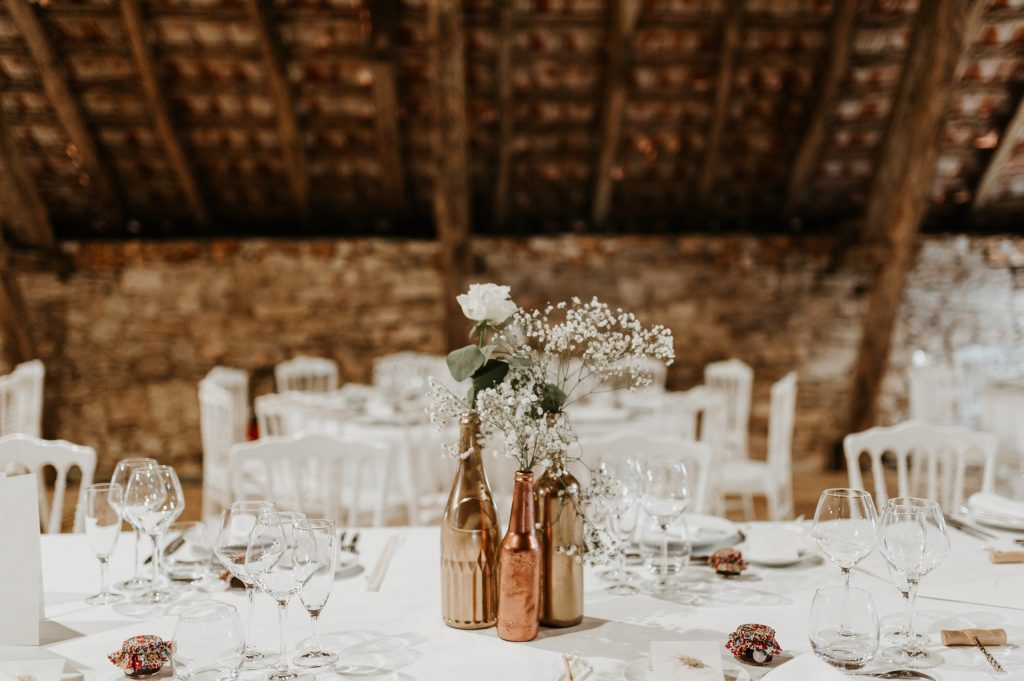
(965, 637)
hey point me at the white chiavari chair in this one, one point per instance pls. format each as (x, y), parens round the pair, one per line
(21, 399)
(931, 461)
(217, 430)
(735, 380)
(236, 382)
(24, 452)
(931, 391)
(279, 414)
(307, 374)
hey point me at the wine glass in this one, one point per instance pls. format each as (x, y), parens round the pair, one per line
(666, 494)
(236, 526)
(153, 501)
(281, 556)
(845, 527)
(914, 540)
(317, 589)
(624, 480)
(208, 643)
(122, 473)
(102, 506)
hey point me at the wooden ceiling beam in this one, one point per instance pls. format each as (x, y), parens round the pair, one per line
(56, 84)
(624, 20)
(898, 198)
(167, 133)
(451, 155)
(987, 191)
(384, 20)
(22, 207)
(503, 68)
(723, 91)
(841, 45)
(292, 142)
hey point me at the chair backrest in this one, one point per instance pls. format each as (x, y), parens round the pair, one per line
(236, 382)
(278, 414)
(21, 399)
(307, 374)
(316, 474)
(932, 394)
(696, 414)
(735, 380)
(976, 366)
(21, 451)
(402, 376)
(696, 456)
(780, 423)
(217, 425)
(931, 461)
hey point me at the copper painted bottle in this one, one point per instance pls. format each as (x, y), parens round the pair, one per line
(469, 540)
(561, 538)
(519, 568)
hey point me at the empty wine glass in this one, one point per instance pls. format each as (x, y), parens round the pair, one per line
(845, 527)
(208, 643)
(122, 473)
(624, 479)
(914, 540)
(282, 555)
(153, 501)
(102, 507)
(844, 626)
(236, 526)
(317, 589)
(666, 494)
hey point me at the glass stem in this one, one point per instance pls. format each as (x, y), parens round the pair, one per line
(250, 595)
(156, 559)
(621, 567)
(138, 561)
(909, 623)
(664, 555)
(846, 576)
(104, 589)
(282, 620)
(314, 643)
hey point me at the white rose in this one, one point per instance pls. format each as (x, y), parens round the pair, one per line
(488, 302)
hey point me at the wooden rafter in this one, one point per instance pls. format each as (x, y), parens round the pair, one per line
(131, 13)
(451, 153)
(54, 78)
(292, 142)
(841, 44)
(20, 203)
(625, 14)
(986, 193)
(898, 198)
(723, 90)
(384, 17)
(503, 75)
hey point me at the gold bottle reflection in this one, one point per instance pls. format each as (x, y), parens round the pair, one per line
(469, 540)
(561, 538)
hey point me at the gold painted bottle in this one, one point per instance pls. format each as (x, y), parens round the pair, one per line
(561, 538)
(519, 568)
(469, 540)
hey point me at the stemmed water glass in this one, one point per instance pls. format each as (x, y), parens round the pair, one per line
(102, 504)
(317, 589)
(914, 540)
(122, 473)
(153, 501)
(232, 542)
(624, 479)
(845, 527)
(666, 494)
(282, 555)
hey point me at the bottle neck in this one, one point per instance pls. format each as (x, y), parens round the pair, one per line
(522, 503)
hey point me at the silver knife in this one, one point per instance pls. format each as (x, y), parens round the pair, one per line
(969, 529)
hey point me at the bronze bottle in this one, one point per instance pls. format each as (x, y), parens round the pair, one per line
(561, 538)
(469, 540)
(519, 568)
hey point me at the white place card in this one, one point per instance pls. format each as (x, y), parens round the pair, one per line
(21, 565)
(686, 661)
(40, 670)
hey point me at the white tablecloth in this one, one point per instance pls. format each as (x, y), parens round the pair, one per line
(399, 628)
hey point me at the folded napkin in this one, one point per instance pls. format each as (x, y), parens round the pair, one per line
(803, 668)
(774, 543)
(993, 504)
(965, 637)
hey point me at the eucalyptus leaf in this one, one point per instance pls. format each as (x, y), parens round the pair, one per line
(553, 399)
(487, 376)
(464, 362)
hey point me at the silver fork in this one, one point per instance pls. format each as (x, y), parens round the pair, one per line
(350, 547)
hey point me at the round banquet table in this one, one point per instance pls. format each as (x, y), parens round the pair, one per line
(397, 633)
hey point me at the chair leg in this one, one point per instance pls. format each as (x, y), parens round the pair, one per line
(748, 506)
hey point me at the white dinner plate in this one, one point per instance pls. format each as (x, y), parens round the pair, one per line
(346, 561)
(709, 530)
(1000, 522)
(802, 554)
(638, 670)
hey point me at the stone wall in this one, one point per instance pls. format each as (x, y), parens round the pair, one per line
(127, 333)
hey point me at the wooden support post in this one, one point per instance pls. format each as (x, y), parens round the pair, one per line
(54, 77)
(293, 145)
(503, 71)
(898, 198)
(723, 90)
(1012, 135)
(20, 203)
(451, 150)
(624, 21)
(131, 13)
(841, 44)
(384, 17)
(18, 345)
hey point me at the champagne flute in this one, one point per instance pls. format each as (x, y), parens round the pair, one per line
(914, 540)
(154, 500)
(666, 494)
(845, 527)
(236, 526)
(624, 477)
(317, 589)
(281, 556)
(122, 473)
(102, 527)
